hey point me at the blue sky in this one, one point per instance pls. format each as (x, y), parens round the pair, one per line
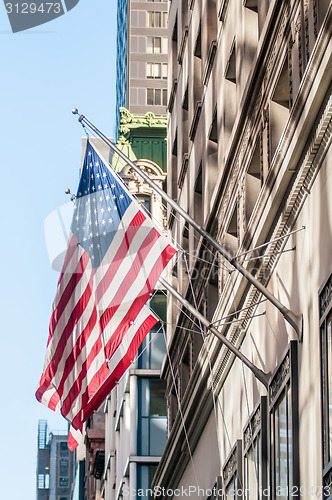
(45, 72)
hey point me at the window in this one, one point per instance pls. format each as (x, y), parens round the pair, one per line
(145, 475)
(157, 19)
(153, 70)
(229, 112)
(152, 419)
(156, 70)
(255, 453)
(63, 446)
(253, 181)
(152, 350)
(284, 427)
(157, 97)
(232, 473)
(197, 77)
(232, 233)
(325, 314)
(63, 482)
(43, 481)
(156, 45)
(279, 108)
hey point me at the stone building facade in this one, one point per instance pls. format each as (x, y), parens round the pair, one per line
(249, 155)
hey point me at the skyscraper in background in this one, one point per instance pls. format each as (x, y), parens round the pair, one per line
(141, 82)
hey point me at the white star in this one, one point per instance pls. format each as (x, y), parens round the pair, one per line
(96, 223)
(84, 239)
(77, 218)
(92, 257)
(100, 186)
(89, 153)
(104, 233)
(91, 176)
(105, 186)
(90, 223)
(98, 175)
(98, 246)
(86, 203)
(91, 246)
(110, 221)
(90, 235)
(109, 209)
(97, 164)
(101, 198)
(91, 165)
(121, 196)
(93, 188)
(113, 186)
(107, 197)
(94, 200)
(97, 234)
(104, 174)
(103, 222)
(115, 208)
(114, 197)
(102, 211)
(95, 211)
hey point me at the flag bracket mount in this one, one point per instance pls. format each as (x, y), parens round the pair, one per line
(295, 320)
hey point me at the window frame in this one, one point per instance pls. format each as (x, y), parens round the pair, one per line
(325, 313)
(257, 427)
(145, 421)
(233, 470)
(285, 378)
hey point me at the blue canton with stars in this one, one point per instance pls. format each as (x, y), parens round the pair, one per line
(101, 201)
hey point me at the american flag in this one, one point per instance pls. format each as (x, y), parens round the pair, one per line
(114, 259)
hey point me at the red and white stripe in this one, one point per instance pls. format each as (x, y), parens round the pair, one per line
(92, 315)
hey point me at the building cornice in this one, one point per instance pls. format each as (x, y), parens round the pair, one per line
(129, 122)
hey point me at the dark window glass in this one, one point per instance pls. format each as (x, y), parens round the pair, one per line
(157, 97)
(164, 97)
(145, 475)
(63, 482)
(152, 419)
(281, 419)
(153, 349)
(145, 201)
(252, 471)
(326, 373)
(150, 97)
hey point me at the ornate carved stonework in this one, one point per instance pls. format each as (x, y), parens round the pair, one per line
(231, 466)
(290, 71)
(280, 378)
(278, 40)
(315, 9)
(129, 121)
(325, 298)
(252, 428)
(306, 27)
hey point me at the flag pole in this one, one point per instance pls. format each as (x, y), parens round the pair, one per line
(293, 319)
(259, 374)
